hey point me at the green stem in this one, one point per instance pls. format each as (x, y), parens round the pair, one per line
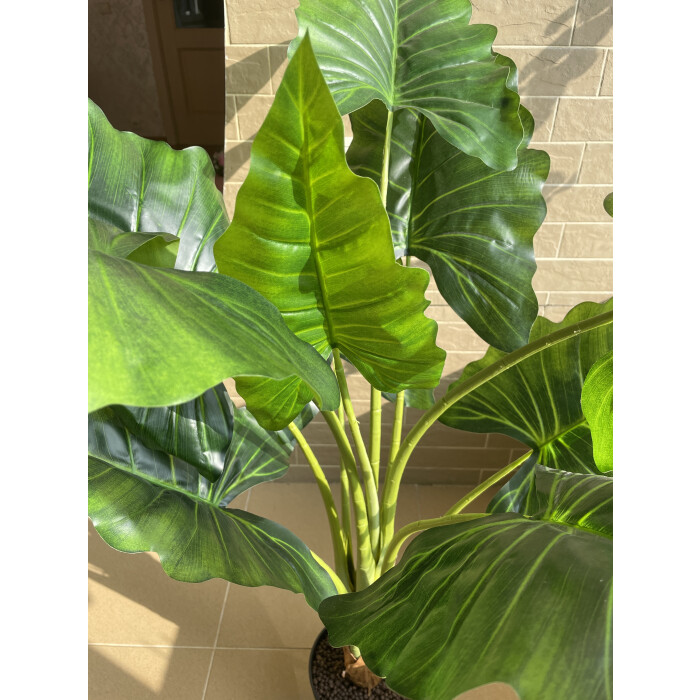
(384, 183)
(371, 494)
(365, 558)
(340, 545)
(375, 433)
(392, 550)
(345, 518)
(459, 391)
(398, 426)
(494, 479)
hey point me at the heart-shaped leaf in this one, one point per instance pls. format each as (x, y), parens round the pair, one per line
(423, 55)
(314, 239)
(538, 401)
(150, 328)
(140, 185)
(141, 499)
(472, 225)
(597, 405)
(521, 599)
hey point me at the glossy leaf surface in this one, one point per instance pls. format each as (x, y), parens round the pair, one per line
(502, 598)
(159, 337)
(140, 185)
(583, 501)
(538, 401)
(474, 226)
(156, 249)
(314, 239)
(423, 55)
(597, 405)
(141, 499)
(198, 432)
(414, 398)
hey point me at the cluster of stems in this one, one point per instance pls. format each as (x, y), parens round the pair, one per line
(377, 545)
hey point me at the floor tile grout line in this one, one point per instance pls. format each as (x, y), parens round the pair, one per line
(184, 646)
(573, 25)
(216, 639)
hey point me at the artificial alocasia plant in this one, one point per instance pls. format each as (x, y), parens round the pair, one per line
(314, 272)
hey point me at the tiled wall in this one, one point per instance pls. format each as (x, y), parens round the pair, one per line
(563, 50)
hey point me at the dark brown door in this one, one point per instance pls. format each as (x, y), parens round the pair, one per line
(188, 61)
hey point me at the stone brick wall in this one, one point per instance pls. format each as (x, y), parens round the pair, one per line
(563, 50)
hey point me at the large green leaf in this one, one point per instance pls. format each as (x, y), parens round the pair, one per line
(538, 401)
(140, 185)
(521, 599)
(423, 55)
(159, 337)
(144, 499)
(198, 432)
(597, 405)
(313, 238)
(472, 224)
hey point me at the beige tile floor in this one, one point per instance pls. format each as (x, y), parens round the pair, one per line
(152, 637)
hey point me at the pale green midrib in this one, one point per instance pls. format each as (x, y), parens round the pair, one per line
(313, 239)
(395, 48)
(569, 428)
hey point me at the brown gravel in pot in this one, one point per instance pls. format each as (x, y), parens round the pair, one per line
(327, 669)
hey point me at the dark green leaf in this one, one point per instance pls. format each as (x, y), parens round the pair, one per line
(159, 337)
(583, 501)
(473, 225)
(524, 600)
(423, 55)
(198, 432)
(141, 185)
(314, 239)
(597, 406)
(141, 499)
(538, 401)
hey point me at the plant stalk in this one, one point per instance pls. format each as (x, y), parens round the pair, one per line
(340, 544)
(371, 493)
(493, 479)
(375, 433)
(345, 518)
(398, 426)
(365, 559)
(459, 391)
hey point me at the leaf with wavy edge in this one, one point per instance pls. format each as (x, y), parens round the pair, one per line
(472, 225)
(423, 55)
(141, 185)
(502, 598)
(149, 329)
(313, 238)
(597, 405)
(144, 499)
(539, 400)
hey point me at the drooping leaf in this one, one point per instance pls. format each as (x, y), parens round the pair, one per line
(159, 337)
(155, 249)
(140, 185)
(198, 432)
(314, 239)
(538, 401)
(597, 406)
(472, 225)
(141, 499)
(524, 600)
(608, 204)
(423, 55)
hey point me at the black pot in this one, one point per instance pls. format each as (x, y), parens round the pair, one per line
(321, 636)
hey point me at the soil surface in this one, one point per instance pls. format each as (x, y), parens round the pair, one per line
(328, 683)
